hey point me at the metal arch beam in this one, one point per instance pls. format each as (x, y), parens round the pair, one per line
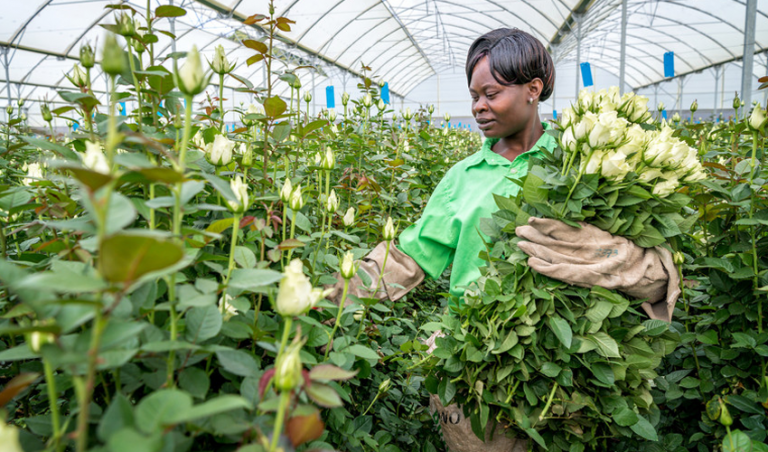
(398, 73)
(407, 32)
(718, 63)
(216, 6)
(330, 40)
(418, 78)
(383, 21)
(580, 8)
(31, 18)
(90, 27)
(405, 59)
(503, 24)
(707, 13)
(628, 63)
(328, 11)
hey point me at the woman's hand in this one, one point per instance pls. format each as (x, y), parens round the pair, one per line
(589, 257)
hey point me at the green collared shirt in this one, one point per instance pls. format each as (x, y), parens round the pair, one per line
(447, 232)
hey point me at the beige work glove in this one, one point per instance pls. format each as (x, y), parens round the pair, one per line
(589, 257)
(400, 269)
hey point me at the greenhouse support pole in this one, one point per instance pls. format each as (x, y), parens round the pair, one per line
(717, 82)
(438, 94)
(722, 86)
(749, 53)
(173, 30)
(577, 19)
(623, 58)
(7, 72)
(656, 98)
(314, 100)
(554, 85)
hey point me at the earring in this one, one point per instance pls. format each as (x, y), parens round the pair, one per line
(530, 100)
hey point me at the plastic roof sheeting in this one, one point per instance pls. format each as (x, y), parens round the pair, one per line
(404, 42)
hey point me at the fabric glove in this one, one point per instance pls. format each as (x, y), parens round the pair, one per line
(589, 257)
(400, 270)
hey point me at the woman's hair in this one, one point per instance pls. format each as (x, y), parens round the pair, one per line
(515, 58)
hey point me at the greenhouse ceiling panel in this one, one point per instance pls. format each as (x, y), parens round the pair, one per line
(403, 42)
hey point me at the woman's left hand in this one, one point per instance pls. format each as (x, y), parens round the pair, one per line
(589, 256)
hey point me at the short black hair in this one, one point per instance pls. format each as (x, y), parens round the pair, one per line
(515, 57)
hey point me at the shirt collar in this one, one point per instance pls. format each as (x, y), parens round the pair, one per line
(546, 141)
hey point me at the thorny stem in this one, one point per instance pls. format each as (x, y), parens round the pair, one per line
(285, 399)
(753, 165)
(52, 399)
(338, 318)
(99, 323)
(549, 402)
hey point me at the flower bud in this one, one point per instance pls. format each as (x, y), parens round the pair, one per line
(225, 307)
(288, 368)
(367, 101)
(332, 203)
(349, 217)
(94, 158)
(676, 118)
(407, 115)
(384, 386)
(307, 97)
(36, 340)
(191, 78)
(389, 230)
(329, 160)
(679, 258)
(220, 63)
(344, 98)
(381, 105)
(287, 191)
(660, 107)
(725, 415)
(45, 111)
(247, 160)
(297, 201)
(736, 101)
(78, 77)
(694, 106)
(332, 115)
(125, 25)
(240, 189)
(9, 438)
(447, 117)
(296, 294)
(87, 57)
(430, 109)
(20, 102)
(9, 110)
(112, 56)
(757, 119)
(348, 268)
(220, 151)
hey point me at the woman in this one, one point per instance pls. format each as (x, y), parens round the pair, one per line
(509, 72)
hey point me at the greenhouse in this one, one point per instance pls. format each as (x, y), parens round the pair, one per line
(383, 225)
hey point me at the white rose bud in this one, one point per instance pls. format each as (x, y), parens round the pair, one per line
(225, 307)
(584, 126)
(384, 385)
(344, 98)
(307, 97)
(94, 158)
(447, 117)
(367, 101)
(285, 193)
(297, 201)
(329, 160)
(348, 269)
(757, 119)
(389, 230)
(241, 193)
(220, 151)
(661, 106)
(694, 106)
(381, 105)
(191, 78)
(349, 217)
(332, 204)
(407, 115)
(78, 77)
(430, 109)
(288, 369)
(568, 140)
(34, 173)
(220, 63)
(36, 340)
(332, 115)
(676, 117)
(9, 438)
(679, 258)
(296, 294)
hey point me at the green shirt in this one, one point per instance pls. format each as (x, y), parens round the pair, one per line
(447, 231)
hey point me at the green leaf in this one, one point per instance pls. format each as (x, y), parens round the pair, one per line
(274, 106)
(446, 390)
(550, 369)
(603, 373)
(644, 429)
(737, 441)
(221, 404)
(744, 404)
(203, 323)
(65, 152)
(533, 193)
(606, 345)
(238, 362)
(363, 352)
(253, 279)
(536, 437)
(126, 257)
(330, 372)
(509, 342)
(323, 395)
(245, 257)
(562, 330)
(161, 408)
(130, 440)
(625, 417)
(195, 381)
(169, 11)
(649, 237)
(655, 327)
(117, 416)
(63, 282)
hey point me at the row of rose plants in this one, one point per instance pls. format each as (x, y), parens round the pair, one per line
(163, 278)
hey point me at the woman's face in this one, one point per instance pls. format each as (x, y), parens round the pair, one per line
(500, 110)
